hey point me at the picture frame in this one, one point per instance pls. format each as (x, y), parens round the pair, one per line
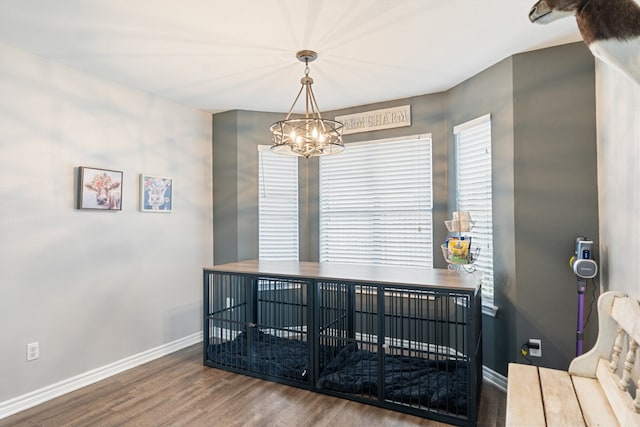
(99, 189)
(156, 193)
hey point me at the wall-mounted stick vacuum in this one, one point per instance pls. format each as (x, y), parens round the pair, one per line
(584, 267)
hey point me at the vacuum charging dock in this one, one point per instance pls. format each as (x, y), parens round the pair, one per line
(583, 266)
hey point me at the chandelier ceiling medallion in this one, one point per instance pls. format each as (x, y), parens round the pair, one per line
(310, 135)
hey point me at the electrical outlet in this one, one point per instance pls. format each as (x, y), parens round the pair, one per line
(535, 347)
(33, 351)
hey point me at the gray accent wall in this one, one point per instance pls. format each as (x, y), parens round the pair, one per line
(555, 193)
(542, 105)
(236, 136)
(225, 187)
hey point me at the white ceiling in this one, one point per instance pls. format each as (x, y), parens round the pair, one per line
(219, 55)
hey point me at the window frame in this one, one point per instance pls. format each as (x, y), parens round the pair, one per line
(486, 266)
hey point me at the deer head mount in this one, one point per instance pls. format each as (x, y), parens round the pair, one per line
(610, 28)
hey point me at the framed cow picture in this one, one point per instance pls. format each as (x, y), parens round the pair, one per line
(99, 189)
(156, 193)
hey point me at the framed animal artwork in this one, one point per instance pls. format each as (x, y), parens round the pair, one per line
(156, 193)
(99, 189)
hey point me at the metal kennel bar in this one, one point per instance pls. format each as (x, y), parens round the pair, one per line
(282, 318)
(385, 337)
(227, 302)
(258, 326)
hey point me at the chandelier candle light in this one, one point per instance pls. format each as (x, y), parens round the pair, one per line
(310, 135)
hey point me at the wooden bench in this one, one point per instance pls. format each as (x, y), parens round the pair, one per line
(601, 388)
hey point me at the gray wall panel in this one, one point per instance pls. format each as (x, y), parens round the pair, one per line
(556, 195)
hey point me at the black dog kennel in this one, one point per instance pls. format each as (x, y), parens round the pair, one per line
(412, 343)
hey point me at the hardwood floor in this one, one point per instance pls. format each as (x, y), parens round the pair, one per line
(177, 390)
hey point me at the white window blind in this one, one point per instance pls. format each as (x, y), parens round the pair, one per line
(376, 204)
(277, 206)
(474, 193)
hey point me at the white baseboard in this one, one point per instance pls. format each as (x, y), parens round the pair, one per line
(491, 376)
(20, 403)
(26, 401)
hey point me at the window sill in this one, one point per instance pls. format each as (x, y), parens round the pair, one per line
(490, 310)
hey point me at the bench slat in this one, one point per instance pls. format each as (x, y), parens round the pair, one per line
(590, 393)
(524, 399)
(595, 409)
(620, 401)
(561, 405)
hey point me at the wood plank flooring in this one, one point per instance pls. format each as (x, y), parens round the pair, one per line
(177, 390)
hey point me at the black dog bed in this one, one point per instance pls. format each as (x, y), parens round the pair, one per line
(440, 384)
(270, 355)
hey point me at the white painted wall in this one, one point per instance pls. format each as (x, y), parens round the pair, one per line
(618, 118)
(94, 287)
